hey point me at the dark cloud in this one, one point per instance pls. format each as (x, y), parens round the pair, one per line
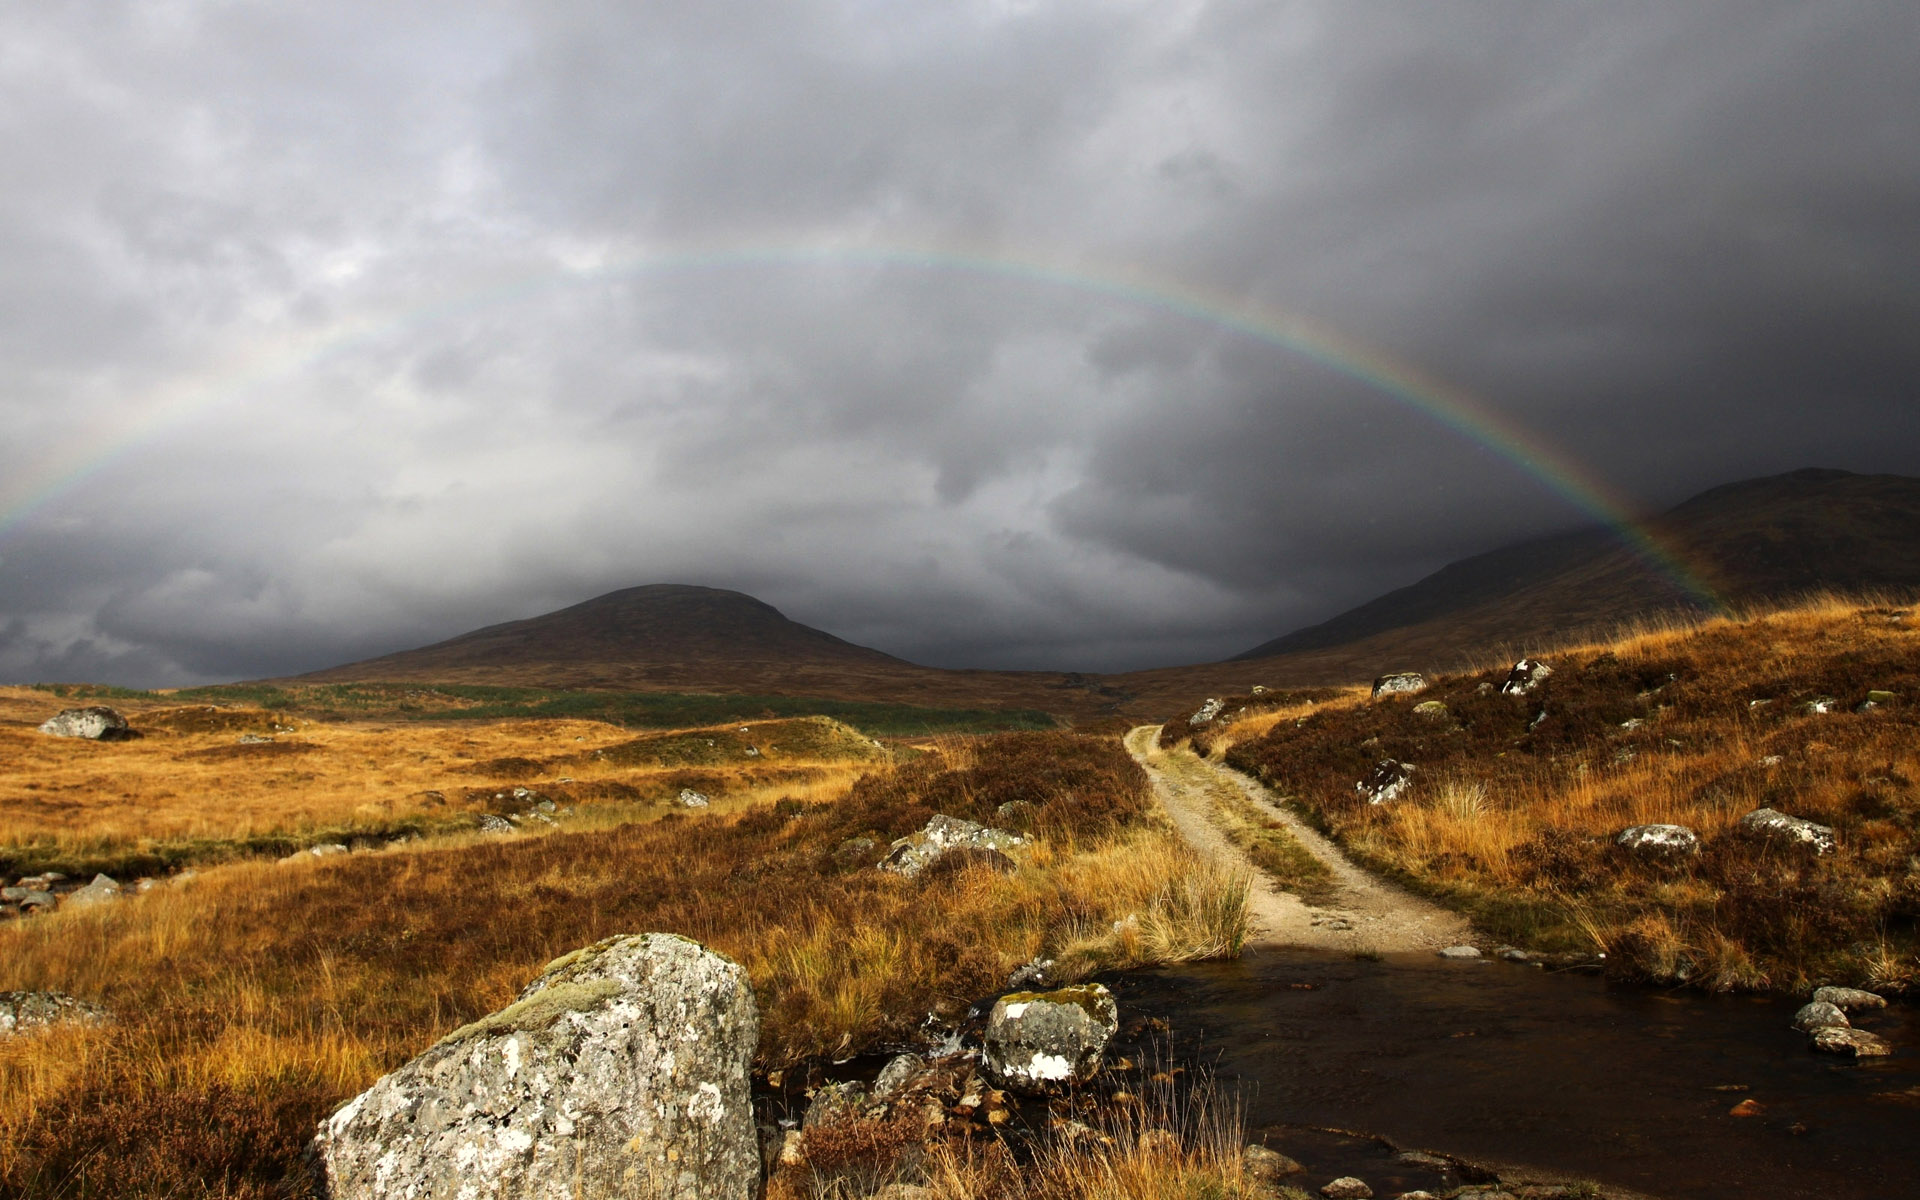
(327, 331)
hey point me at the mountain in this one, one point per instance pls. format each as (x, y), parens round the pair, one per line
(675, 637)
(1751, 543)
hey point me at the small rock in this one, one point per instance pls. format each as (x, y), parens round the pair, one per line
(916, 852)
(1819, 1015)
(327, 850)
(1206, 712)
(1848, 999)
(1658, 841)
(833, 1103)
(1265, 1166)
(37, 901)
(1041, 1042)
(96, 723)
(1853, 1043)
(1878, 697)
(1772, 825)
(1347, 1188)
(101, 890)
(26, 1012)
(1034, 975)
(900, 1071)
(692, 799)
(1418, 1194)
(1432, 710)
(254, 739)
(1747, 1108)
(1399, 683)
(1633, 723)
(488, 823)
(1527, 674)
(1389, 779)
(1820, 704)
(1459, 952)
(1511, 954)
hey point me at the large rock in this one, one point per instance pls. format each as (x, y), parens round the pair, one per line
(1773, 825)
(1042, 1042)
(1819, 1015)
(97, 723)
(620, 1072)
(1658, 841)
(1526, 675)
(102, 889)
(917, 851)
(1390, 778)
(1207, 711)
(26, 1012)
(1849, 999)
(1399, 682)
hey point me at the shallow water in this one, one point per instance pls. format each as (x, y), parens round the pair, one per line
(1503, 1063)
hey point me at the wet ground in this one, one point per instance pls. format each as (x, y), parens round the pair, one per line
(1508, 1064)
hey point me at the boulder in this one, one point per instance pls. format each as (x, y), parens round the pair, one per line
(1850, 1043)
(1347, 1188)
(1265, 1165)
(1772, 825)
(1042, 1042)
(101, 890)
(1819, 1015)
(1526, 675)
(692, 799)
(1399, 683)
(901, 1070)
(96, 723)
(1658, 841)
(1848, 999)
(1390, 778)
(1207, 711)
(1432, 710)
(27, 1012)
(621, 1071)
(917, 851)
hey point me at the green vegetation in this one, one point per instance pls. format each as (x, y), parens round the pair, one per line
(635, 710)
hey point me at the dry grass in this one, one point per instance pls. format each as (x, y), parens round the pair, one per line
(1685, 722)
(187, 791)
(253, 997)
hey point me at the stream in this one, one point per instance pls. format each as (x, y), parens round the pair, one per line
(1500, 1063)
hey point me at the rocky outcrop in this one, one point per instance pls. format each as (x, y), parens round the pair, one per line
(943, 834)
(1045, 1042)
(1399, 683)
(621, 1071)
(1526, 675)
(27, 1012)
(1774, 826)
(1658, 841)
(1389, 779)
(96, 723)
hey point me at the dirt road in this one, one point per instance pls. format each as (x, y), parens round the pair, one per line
(1362, 913)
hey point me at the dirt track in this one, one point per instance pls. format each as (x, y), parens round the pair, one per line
(1363, 913)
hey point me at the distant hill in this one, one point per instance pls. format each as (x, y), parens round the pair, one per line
(676, 637)
(1753, 543)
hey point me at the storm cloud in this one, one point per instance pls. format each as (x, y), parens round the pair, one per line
(328, 330)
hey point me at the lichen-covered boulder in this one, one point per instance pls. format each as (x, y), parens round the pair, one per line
(1207, 711)
(1526, 675)
(620, 1072)
(917, 851)
(1773, 825)
(1432, 710)
(1849, 999)
(96, 723)
(1658, 841)
(1042, 1042)
(1390, 778)
(1850, 1043)
(1399, 682)
(26, 1012)
(1819, 1015)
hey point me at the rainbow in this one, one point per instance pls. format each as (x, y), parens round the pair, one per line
(148, 418)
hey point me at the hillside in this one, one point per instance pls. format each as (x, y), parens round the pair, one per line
(1756, 543)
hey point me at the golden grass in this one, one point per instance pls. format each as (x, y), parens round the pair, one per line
(186, 791)
(1693, 722)
(254, 997)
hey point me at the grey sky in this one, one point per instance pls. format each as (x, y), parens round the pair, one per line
(327, 330)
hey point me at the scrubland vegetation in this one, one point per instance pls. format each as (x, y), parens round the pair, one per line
(1515, 800)
(254, 997)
